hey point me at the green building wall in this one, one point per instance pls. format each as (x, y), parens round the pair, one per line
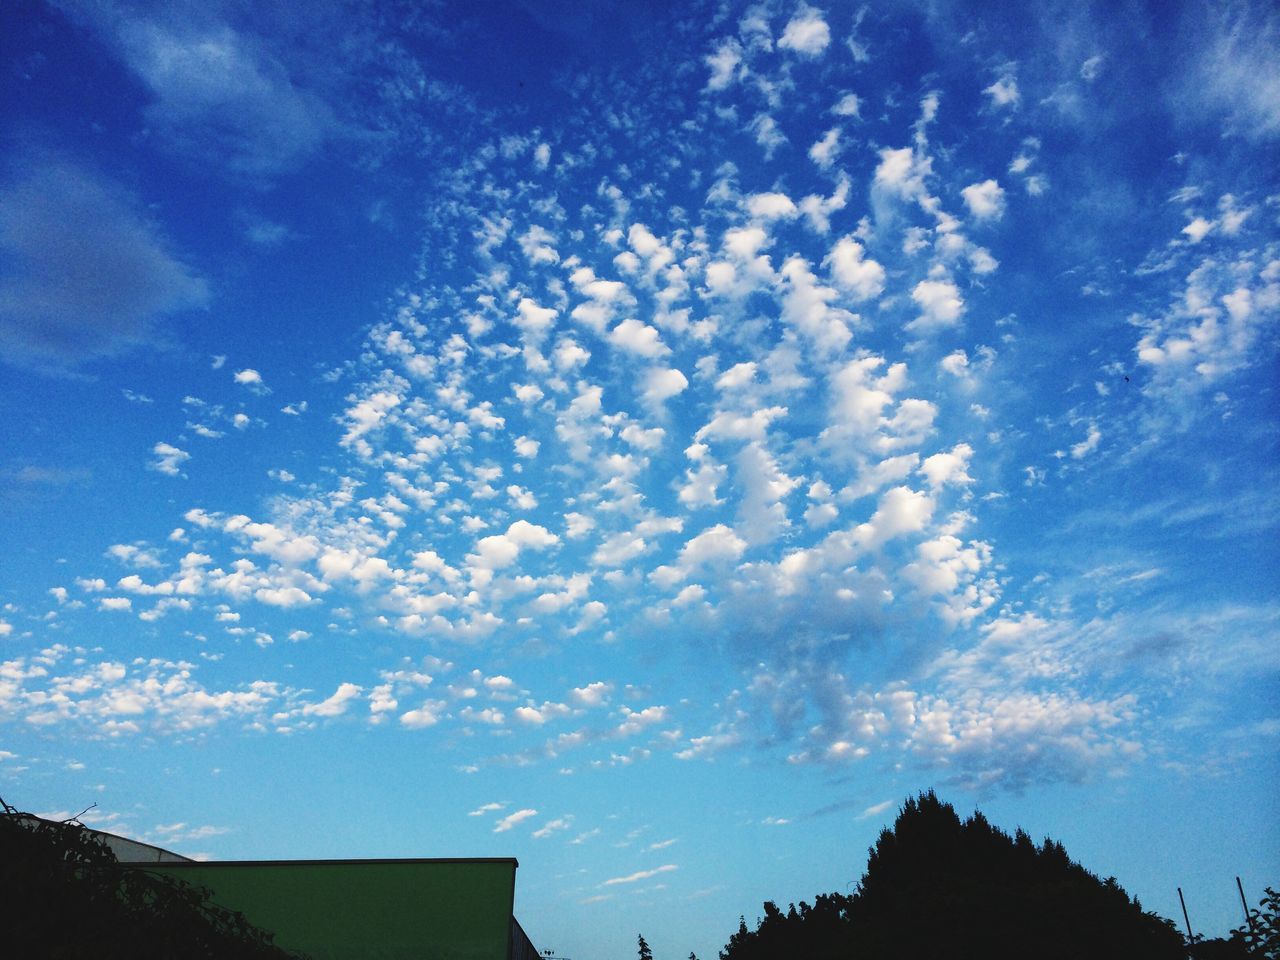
(368, 909)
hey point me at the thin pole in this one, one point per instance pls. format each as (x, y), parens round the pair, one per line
(1190, 936)
(1248, 917)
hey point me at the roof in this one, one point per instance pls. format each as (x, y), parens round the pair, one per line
(187, 861)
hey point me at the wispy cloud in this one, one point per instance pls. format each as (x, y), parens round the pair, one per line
(640, 875)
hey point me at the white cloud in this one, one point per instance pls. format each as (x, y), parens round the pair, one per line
(809, 307)
(501, 550)
(693, 593)
(902, 172)
(428, 715)
(640, 875)
(570, 354)
(806, 33)
(527, 392)
(512, 819)
(714, 545)
(900, 510)
(771, 206)
(168, 459)
(737, 376)
(818, 210)
(950, 467)
(955, 363)
(824, 151)
(552, 826)
(724, 64)
(643, 438)
(940, 304)
(367, 415)
(639, 338)
(862, 277)
(985, 200)
(534, 320)
(847, 106)
(283, 596)
(578, 525)
(662, 383)
(1090, 443)
(337, 704)
(536, 244)
(1197, 229)
(619, 549)
(592, 695)
(860, 400)
(112, 699)
(1209, 330)
(768, 134)
(176, 833)
(876, 809)
(1004, 92)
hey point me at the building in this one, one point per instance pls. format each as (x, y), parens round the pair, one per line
(450, 909)
(401, 909)
(125, 849)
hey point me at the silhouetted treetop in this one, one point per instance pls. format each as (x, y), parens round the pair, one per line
(937, 886)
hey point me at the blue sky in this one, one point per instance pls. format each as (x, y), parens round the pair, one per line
(651, 445)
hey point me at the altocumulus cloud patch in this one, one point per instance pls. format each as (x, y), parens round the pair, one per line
(703, 432)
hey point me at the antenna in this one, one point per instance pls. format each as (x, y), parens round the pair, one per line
(1190, 936)
(1248, 917)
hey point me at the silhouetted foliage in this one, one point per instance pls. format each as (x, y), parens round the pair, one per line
(1260, 938)
(820, 932)
(63, 894)
(1219, 949)
(939, 887)
(645, 952)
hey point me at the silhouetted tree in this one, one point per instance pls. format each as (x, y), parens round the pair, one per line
(986, 894)
(645, 952)
(63, 894)
(936, 886)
